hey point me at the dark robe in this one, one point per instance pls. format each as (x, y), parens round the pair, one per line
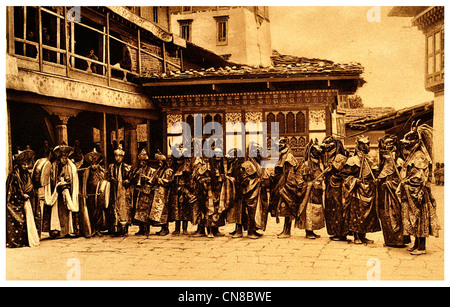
(286, 186)
(255, 208)
(236, 213)
(91, 180)
(144, 194)
(389, 206)
(20, 220)
(311, 217)
(198, 207)
(334, 207)
(181, 195)
(159, 212)
(120, 206)
(217, 191)
(359, 194)
(418, 204)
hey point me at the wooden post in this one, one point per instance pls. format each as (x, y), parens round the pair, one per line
(148, 135)
(58, 37)
(108, 51)
(139, 51)
(105, 143)
(181, 59)
(66, 36)
(24, 29)
(164, 57)
(164, 128)
(10, 30)
(40, 38)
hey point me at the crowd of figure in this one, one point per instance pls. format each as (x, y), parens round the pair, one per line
(345, 192)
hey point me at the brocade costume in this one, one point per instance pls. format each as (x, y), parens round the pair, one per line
(20, 199)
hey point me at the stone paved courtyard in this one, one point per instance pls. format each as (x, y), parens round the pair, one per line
(185, 258)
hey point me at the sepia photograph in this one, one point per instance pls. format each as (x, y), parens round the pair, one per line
(211, 145)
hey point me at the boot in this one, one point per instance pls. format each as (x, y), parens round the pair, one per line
(164, 230)
(364, 240)
(251, 234)
(356, 239)
(210, 233)
(185, 226)
(237, 233)
(141, 230)
(200, 232)
(176, 232)
(311, 235)
(217, 232)
(286, 229)
(414, 246)
(420, 250)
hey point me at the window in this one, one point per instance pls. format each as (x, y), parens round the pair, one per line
(435, 56)
(155, 14)
(290, 123)
(222, 30)
(186, 9)
(186, 29)
(301, 122)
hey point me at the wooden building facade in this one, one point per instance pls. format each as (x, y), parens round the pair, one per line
(301, 97)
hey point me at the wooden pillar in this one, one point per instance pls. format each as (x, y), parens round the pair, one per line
(164, 133)
(131, 138)
(40, 38)
(148, 135)
(9, 151)
(67, 42)
(104, 144)
(61, 126)
(10, 29)
(108, 51)
(139, 60)
(61, 130)
(328, 121)
(164, 57)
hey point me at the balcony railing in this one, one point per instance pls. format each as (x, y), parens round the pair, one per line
(45, 40)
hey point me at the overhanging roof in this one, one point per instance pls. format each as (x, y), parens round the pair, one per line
(388, 120)
(407, 11)
(284, 69)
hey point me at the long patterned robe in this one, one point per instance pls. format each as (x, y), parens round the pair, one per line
(144, 195)
(20, 223)
(255, 206)
(218, 192)
(311, 217)
(181, 196)
(91, 179)
(236, 213)
(389, 206)
(418, 204)
(198, 206)
(334, 207)
(286, 186)
(359, 196)
(159, 213)
(62, 204)
(120, 205)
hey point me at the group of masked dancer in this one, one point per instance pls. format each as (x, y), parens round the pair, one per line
(331, 187)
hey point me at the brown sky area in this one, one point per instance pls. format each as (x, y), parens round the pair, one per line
(391, 51)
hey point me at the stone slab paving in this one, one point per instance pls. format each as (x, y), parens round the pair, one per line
(185, 258)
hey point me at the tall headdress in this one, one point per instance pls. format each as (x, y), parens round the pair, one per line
(119, 151)
(63, 150)
(93, 156)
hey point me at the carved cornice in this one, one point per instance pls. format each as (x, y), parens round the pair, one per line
(429, 18)
(277, 98)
